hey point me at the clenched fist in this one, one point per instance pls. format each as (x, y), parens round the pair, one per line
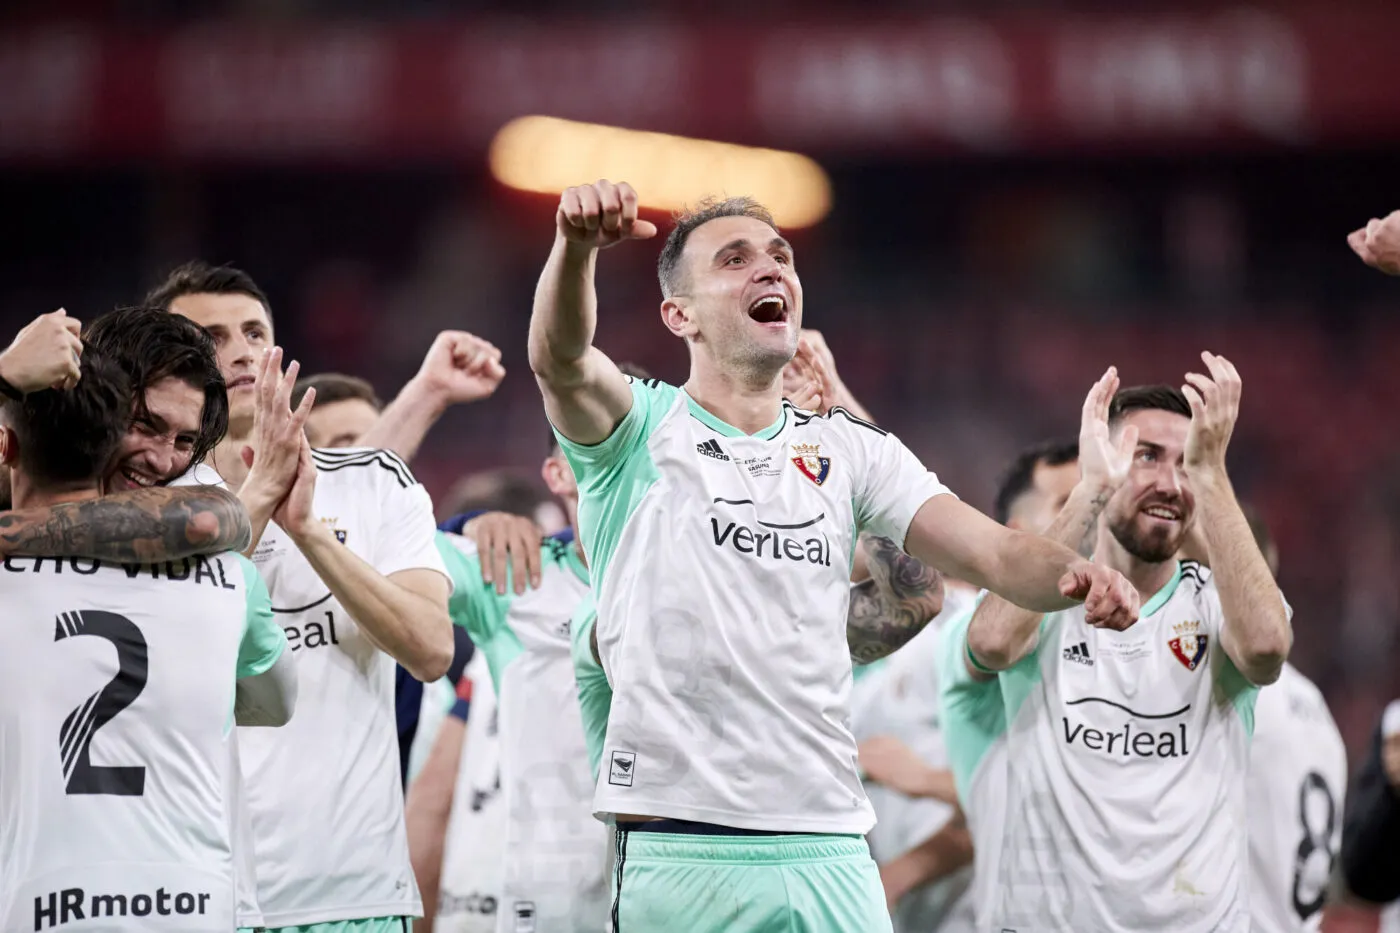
(1378, 244)
(45, 355)
(600, 215)
(461, 368)
(1110, 601)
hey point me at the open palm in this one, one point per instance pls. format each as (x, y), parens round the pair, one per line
(1101, 459)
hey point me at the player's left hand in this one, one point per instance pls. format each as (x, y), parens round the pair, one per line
(1215, 406)
(460, 368)
(1110, 601)
(1378, 244)
(505, 540)
(294, 514)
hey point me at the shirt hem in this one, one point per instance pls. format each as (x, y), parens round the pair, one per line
(860, 825)
(273, 920)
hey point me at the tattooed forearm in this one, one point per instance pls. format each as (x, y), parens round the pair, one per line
(1085, 538)
(143, 525)
(894, 605)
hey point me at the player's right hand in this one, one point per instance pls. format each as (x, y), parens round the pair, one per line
(46, 354)
(1103, 463)
(600, 215)
(1110, 601)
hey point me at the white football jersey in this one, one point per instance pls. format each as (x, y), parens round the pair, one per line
(1295, 791)
(1127, 754)
(903, 703)
(974, 729)
(117, 688)
(555, 860)
(721, 565)
(324, 791)
(473, 853)
(245, 880)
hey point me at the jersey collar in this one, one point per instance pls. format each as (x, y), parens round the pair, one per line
(728, 430)
(1159, 599)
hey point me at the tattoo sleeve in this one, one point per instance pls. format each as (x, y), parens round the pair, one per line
(894, 605)
(159, 523)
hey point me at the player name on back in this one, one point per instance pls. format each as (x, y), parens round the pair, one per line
(208, 571)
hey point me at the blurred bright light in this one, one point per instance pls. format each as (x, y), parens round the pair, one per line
(547, 155)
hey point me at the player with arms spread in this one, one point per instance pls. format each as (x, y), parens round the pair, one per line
(119, 684)
(719, 524)
(1127, 750)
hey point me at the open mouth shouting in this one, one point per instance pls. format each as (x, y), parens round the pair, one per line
(770, 310)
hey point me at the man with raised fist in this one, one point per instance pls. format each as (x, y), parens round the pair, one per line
(719, 523)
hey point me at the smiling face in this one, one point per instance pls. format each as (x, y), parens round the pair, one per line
(160, 442)
(740, 298)
(1153, 510)
(241, 330)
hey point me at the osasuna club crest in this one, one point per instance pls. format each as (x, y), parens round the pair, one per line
(1189, 644)
(810, 461)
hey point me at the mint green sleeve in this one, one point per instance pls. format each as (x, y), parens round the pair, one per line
(263, 639)
(594, 691)
(599, 467)
(971, 710)
(477, 607)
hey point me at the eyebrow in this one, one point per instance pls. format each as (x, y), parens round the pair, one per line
(155, 421)
(1155, 448)
(742, 243)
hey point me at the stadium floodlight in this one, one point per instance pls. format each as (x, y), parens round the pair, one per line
(547, 155)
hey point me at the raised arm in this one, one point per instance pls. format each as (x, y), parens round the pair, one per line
(403, 614)
(1002, 633)
(460, 368)
(140, 526)
(894, 604)
(585, 394)
(1256, 631)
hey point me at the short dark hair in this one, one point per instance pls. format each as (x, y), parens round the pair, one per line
(198, 277)
(1020, 475)
(628, 369)
(336, 387)
(68, 437)
(1148, 398)
(151, 344)
(496, 491)
(668, 265)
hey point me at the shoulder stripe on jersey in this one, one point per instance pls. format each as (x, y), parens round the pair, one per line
(860, 421)
(382, 458)
(1193, 571)
(651, 383)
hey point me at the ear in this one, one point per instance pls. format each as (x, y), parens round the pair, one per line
(557, 476)
(9, 447)
(679, 318)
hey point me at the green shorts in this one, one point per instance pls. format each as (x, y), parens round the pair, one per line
(372, 925)
(746, 884)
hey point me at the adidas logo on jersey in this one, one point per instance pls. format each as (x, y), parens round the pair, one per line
(1079, 654)
(711, 448)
